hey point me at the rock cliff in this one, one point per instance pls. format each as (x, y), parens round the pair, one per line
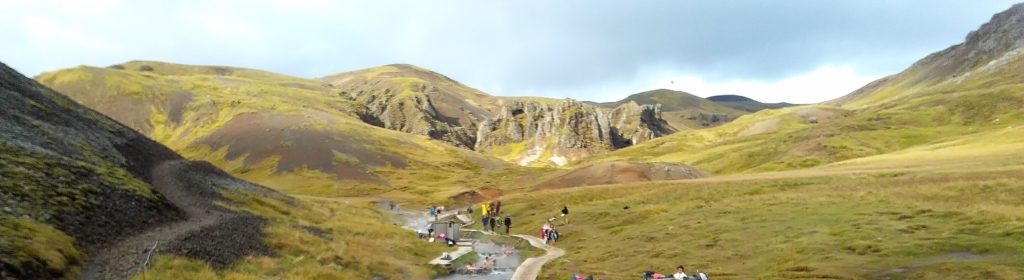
(531, 132)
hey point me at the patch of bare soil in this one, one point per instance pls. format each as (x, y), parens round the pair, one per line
(620, 173)
(259, 136)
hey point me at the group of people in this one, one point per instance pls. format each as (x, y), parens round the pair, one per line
(487, 263)
(435, 211)
(491, 217)
(548, 232)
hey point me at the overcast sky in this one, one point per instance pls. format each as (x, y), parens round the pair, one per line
(794, 51)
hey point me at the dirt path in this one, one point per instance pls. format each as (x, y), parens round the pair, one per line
(204, 223)
(530, 269)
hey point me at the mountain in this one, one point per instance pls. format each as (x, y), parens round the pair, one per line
(683, 110)
(746, 104)
(266, 127)
(989, 57)
(76, 185)
(298, 135)
(415, 100)
(972, 87)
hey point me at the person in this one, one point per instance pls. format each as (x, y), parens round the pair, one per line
(484, 220)
(431, 210)
(430, 230)
(565, 213)
(552, 235)
(469, 211)
(680, 272)
(493, 223)
(471, 268)
(483, 209)
(497, 208)
(508, 223)
(544, 230)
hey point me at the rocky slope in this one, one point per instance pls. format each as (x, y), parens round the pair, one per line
(746, 104)
(415, 100)
(534, 132)
(74, 184)
(683, 110)
(985, 52)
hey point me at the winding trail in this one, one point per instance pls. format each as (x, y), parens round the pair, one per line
(530, 269)
(127, 257)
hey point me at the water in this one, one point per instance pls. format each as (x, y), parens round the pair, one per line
(505, 266)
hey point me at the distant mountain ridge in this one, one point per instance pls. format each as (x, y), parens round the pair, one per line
(745, 103)
(683, 110)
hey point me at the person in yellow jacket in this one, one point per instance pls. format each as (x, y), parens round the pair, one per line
(483, 209)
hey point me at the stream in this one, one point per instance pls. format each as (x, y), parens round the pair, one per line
(505, 265)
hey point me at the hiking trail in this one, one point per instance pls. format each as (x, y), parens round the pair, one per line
(125, 258)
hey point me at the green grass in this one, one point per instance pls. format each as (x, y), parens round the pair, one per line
(849, 223)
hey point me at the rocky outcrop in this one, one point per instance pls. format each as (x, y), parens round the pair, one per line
(554, 133)
(415, 100)
(633, 124)
(392, 108)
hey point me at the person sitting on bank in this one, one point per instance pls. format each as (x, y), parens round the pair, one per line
(680, 273)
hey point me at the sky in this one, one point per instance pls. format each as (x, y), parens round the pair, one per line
(781, 50)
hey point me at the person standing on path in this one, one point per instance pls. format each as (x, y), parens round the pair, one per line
(484, 220)
(469, 211)
(497, 209)
(493, 223)
(565, 214)
(508, 223)
(483, 209)
(432, 212)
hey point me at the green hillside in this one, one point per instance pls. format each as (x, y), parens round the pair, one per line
(297, 135)
(889, 115)
(746, 104)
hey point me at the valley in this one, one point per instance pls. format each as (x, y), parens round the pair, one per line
(159, 170)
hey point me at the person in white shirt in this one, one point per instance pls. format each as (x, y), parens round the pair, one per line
(680, 273)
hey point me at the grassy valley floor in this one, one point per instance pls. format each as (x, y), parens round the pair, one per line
(947, 211)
